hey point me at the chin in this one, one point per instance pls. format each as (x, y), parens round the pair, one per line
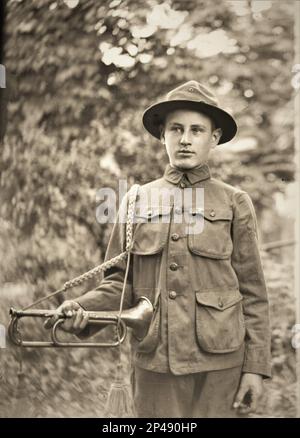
(183, 165)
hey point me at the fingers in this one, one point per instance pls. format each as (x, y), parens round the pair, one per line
(48, 323)
(84, 321)
(246, 400)
(240, 396)
(80, 320)
(245, 407)
(249, 393)
(250, 401)
(69, 309)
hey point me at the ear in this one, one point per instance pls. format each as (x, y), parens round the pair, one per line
(162, 134)
(216, 135)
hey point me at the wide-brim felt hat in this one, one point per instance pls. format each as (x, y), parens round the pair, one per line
(193, 96)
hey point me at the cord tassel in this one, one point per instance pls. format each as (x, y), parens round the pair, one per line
(120, 400)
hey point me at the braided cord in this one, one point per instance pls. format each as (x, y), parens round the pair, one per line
(109, 263)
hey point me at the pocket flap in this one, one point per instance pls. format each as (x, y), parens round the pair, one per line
(151, 229)
(147, 213)
(219, 300)
(218, 214)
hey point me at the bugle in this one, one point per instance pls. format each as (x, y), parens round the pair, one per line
(137, 318)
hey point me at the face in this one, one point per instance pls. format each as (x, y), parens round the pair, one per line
(189, 137)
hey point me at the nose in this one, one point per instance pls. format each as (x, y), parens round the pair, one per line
(185, 141)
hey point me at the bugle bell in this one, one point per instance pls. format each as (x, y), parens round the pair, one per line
(138, 318)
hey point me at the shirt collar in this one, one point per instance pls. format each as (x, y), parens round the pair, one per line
(195, 175)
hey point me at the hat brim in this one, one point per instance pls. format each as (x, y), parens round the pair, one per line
(155, 115)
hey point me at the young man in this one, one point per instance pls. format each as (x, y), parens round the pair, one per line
(207, 349)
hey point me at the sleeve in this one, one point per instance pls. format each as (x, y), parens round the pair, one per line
(107, 295)
(247, 264)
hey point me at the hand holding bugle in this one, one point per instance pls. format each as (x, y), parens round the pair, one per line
(71, 317)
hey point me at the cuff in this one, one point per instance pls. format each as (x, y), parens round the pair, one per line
(258, 361)
(265, 370)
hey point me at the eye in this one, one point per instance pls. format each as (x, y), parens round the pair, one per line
(197, 130)
(176, 129)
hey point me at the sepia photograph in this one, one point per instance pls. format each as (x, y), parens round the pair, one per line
(149, 210)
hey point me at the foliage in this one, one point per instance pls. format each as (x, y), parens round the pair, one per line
(280, 397)
(79, 75)
(75, 383)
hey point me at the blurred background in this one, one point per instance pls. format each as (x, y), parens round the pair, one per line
(79, 74)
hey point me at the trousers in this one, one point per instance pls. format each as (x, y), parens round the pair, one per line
(200, 395)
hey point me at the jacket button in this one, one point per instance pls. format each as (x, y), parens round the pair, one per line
(212, 213)
(175, 237)
(220, 303)
(173, 266)
(182, 185)
(172, 294)
(178, 210)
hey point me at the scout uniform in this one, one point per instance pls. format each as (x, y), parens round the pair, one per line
(210, 320)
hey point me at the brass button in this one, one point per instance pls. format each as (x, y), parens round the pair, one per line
(195, 211)
(172, 294)
(178, 210)
(175, 237)
(191, 90)
(212, 213)
(173, 266)
(220, 303)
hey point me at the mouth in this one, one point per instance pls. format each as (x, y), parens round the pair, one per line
(185, 153)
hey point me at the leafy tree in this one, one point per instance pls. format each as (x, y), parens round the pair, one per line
(80, 73)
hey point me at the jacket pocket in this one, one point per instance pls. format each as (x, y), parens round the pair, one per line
(151, 230)
(151, 339)
(220, 323)
(214, 240)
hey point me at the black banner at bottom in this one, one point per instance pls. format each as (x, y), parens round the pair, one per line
(136, 426)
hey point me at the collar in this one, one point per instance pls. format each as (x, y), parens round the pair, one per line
(195, 175)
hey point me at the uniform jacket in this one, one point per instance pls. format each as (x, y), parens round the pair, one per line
(207, 288)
